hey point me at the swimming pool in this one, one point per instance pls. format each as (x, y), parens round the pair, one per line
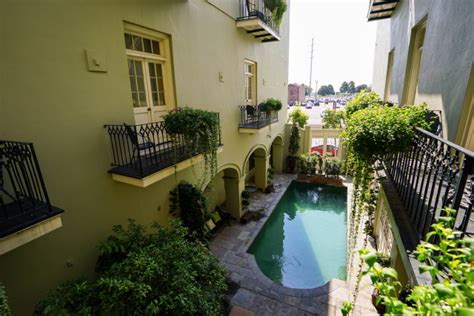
(303, 243)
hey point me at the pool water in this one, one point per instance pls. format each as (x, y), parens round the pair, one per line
(303, 243)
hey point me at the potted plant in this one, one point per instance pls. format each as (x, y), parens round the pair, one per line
(278, 8)
(293, 147)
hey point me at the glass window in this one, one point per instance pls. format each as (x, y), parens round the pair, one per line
(142, 44)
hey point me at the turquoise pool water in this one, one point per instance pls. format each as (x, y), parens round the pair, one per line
(303, 243)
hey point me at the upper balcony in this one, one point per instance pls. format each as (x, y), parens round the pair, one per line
(258, 20)
(26, 212)
(144, 154)
(254, 119)
(381, 9)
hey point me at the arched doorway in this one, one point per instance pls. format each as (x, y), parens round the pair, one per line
(256, 167)
(276, 154)
(224, 190)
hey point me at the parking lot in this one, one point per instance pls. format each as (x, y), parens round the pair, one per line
(315, 119)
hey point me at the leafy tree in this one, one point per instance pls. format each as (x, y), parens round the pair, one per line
(351, 87)
(361, 87)
(326, 90)
(361, 101)
(344, 87)
(299, 117)
(294, 144)
(333, 118)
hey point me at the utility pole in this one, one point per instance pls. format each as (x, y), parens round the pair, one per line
(311, 65)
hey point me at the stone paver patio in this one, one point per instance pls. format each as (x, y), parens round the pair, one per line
(260, 295)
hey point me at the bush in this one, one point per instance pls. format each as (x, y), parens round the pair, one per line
(379, 130)
(161, 273)
(448, 261)
(299, 117)
(4, 308)
(332, 167)
(333, 118)
(361, 101)
(190, 204)
(310, 163)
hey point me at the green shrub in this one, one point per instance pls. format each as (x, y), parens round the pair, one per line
(190, 204)
(160, 273)
(310, 163)
(373, 132)
(361, 101)
(294, 144)
(332, 167)
(299, 117)
(448, 261)
(4, 308)
(333, 118)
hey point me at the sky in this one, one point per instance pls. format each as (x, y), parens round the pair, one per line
(344, 42)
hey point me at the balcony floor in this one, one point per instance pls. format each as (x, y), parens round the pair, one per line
(13, 218)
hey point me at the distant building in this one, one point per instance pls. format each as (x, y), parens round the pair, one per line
(295, 93)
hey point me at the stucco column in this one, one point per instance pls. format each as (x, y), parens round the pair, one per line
(306, 140)
(277, 157)
(233, 190)
(261, 172)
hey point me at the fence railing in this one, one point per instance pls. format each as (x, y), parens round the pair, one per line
(326, 142)
(255, 117)
(141, 150)
(433, 174)
(250, 9)
(24, 199)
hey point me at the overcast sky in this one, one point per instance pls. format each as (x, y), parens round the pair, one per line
(344, 41)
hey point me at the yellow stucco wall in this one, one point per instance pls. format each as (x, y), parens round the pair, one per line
(50, 98)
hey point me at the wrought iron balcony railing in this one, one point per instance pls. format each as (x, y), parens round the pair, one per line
(141, 150)
(255, 117)
(256, 9)
(24, 199)
(433, 174)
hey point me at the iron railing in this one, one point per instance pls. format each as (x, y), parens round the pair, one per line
(141, 150)
(256, 117)
(433, 174)
(24, 199)
(251, 9)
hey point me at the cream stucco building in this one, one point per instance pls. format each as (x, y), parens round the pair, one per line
(70, 67)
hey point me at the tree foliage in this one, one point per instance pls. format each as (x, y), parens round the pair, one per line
(157, 273)
(344, 87)
(333, 118)
(294, 144)
(298, 116)
(326, 90)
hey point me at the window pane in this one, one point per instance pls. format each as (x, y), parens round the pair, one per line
(137, 43)
(153, 84)
(155, 99)
(160, 85)
(131, 70)
(128, 41)
(162, 98)
(152, 69)
(142, 99)
(159, 71)
(135, 100)
(133, 84)
(156, 47)
(147, 45)
(138, 68)
(141, 85)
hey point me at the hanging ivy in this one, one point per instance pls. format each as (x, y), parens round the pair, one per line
(201, 132)
(278, 9)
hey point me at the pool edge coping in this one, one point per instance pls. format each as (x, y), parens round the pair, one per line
(325, 289)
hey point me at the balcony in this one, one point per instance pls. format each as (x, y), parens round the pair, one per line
(381, 9)
(258, 20)
(433, 174)
(254, 120)
(144, 154)
(26, 212)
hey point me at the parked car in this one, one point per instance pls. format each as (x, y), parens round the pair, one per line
(331, 150)
(309, 104)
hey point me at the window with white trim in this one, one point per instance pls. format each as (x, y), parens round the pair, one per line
(250, 71)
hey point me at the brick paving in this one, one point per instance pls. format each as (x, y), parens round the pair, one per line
(257, 294)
